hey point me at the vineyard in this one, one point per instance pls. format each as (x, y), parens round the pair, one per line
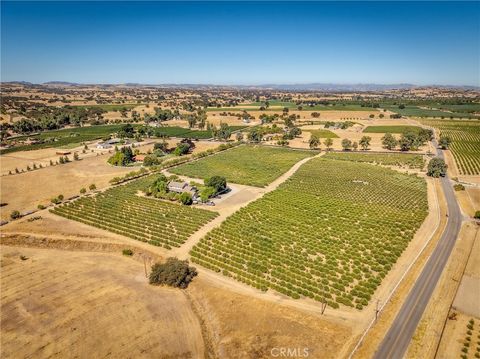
(121, 211)
(386, 159)
(465, 144)
(249, 165)
(331, 232)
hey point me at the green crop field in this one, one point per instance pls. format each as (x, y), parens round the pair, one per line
(249, 165)
(322, 133)
(465, 145)
(391, 129)
(120, 210)
(175, 131)
(386, 159)
(332, 231)
(66, 137)
(416, 111)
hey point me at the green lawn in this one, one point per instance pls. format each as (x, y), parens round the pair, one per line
(248, 165)
(391, 129)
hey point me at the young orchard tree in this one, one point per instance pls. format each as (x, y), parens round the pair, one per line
(328, 143)
(389, 141)
(365, 142)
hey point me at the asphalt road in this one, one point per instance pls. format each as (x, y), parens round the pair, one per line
(397, 339)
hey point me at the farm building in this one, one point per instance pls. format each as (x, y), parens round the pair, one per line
(103, 146)
(181, 187)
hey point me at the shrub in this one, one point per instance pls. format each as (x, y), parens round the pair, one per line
(477, 215)
(127, 252)
(459, 187)
(92, 187)
(15, 214)
(41, 206)
(173, 272)
(83, 191)
(186, 198)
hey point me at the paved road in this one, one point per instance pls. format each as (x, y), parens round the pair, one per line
(396, 342)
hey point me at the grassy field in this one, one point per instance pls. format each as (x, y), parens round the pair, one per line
(249, 165)
(391, 129)
(332, 231)
(322, 133)
(465, 145)
(121, 211)
(386, 159)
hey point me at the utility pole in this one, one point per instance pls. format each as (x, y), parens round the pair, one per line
(377, 310)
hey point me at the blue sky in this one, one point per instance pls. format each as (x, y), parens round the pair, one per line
(241, 43)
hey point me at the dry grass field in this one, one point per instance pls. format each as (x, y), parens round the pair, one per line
(62, 304)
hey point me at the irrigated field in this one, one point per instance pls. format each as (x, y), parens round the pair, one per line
(390, 129)
(416, 111)
(322, 133)
(248, 165)
(121, 210)
(332, 231)
(465, 145)
(387, 159)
